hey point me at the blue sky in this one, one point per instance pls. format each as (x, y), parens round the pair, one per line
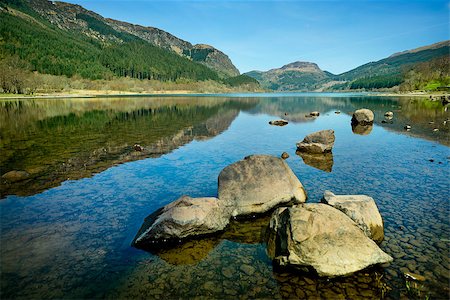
(260, 35)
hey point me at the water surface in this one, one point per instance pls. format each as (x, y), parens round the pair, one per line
(66, 230)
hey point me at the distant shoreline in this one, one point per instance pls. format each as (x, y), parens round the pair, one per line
(100, 94)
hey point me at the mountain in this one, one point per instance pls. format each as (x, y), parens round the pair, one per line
(65, 39)
(296, 76)
(385, 73)
(390, 71)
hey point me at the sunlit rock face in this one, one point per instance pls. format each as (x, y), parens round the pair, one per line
(363, 117)
(321, 238)
(362, 210)
(185, 217)
(317, 142)
(257, 184)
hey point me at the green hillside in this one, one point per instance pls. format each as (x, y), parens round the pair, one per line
(50, 50)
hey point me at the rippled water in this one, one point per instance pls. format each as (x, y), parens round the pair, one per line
(66, 230)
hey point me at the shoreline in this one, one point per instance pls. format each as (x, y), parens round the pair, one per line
(101, 94)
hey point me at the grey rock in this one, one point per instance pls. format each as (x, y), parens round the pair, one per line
(257, 184)
(321, 237)
(317, 142)
(185, 217)
(363, 116)
(362, 210)
(279, 122)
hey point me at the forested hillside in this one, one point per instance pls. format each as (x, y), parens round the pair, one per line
(51, 50)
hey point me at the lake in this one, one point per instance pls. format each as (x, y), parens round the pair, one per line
(66, 230)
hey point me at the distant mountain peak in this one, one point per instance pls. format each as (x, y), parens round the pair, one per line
(300, 65)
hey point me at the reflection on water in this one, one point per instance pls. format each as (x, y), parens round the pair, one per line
(322, 161)
(71, 238)
(362, 129)
(56, 140)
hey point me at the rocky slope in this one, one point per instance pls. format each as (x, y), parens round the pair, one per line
(75, 18)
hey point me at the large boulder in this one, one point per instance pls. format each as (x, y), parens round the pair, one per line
(362, 210)
(363, 116)
(317, 142)
(323, 238)
(185, 217)
(257, 184)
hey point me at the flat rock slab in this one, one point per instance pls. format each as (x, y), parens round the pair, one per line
(317, 142)
(257, 184)
(185, 217)
(323, 238)
(362, 210)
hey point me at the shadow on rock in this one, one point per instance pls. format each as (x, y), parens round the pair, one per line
(322, 162)
(362, 129)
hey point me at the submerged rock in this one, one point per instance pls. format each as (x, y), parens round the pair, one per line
(185, 217)
(363, 116)
(323, 238)
(362, 210)
(317, 142)
(321, 161)
(257, 184)
(14, 176)
(278, 122)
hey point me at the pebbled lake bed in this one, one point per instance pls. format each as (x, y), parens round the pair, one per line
(66, 230)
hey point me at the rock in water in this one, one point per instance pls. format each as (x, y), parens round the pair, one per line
(323, 238)
(14, 176)
(317, 142)
(314, 114)
(185, 217)
(279, 122)
(284, 155)
(389, 114)
(362, 210)
(363, 116)
(257, 184)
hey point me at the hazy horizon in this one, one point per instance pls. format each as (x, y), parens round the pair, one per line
(262, 35)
